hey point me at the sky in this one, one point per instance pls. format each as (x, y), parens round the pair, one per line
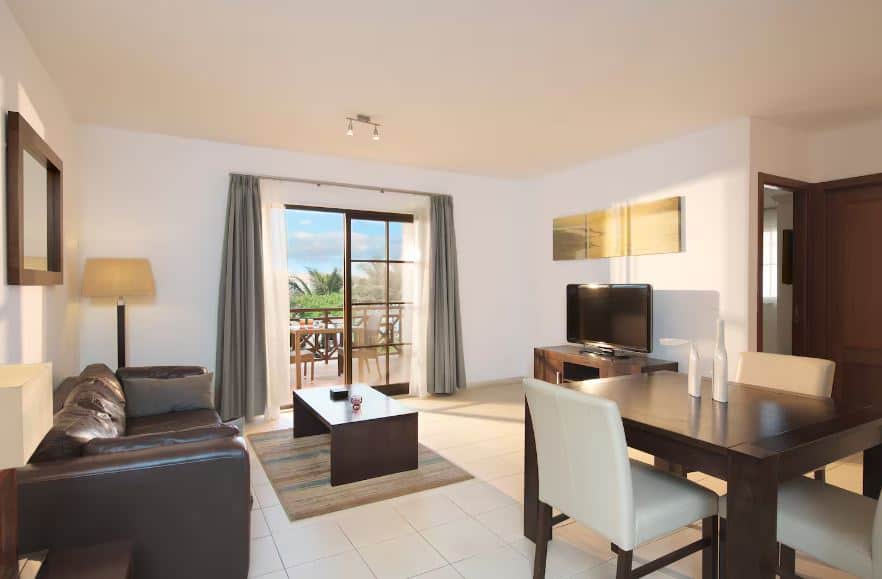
(315, 240)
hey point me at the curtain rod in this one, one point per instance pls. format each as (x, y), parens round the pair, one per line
(338, 184)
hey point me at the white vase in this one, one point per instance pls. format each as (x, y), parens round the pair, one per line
(694, 378)
(721, 366)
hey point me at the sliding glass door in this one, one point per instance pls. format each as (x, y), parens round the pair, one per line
(379, 290)
(351, 284)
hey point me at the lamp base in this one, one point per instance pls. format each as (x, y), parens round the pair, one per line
(8, 524)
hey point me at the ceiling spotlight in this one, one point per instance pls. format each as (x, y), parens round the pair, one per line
(366, 119)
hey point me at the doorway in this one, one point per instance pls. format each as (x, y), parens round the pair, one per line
(380, 277)
(835, 258)
(350, 280)
(780, 264)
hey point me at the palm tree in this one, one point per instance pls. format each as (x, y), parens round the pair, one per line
(325, 283)
(297, 287)
(371, 284)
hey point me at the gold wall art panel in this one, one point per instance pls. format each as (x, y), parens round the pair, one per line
(635, 229)
(608, 233)
(570, 238)
(654, 227)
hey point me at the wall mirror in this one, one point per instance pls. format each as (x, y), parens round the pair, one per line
(33, 207)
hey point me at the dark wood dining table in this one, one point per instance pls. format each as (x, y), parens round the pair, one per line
(757, 440)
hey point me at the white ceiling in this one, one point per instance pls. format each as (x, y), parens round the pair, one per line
(494, 87)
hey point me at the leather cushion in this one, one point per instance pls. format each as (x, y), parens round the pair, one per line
(63, 391)
(103, 373)
(829, 523)
(95, 394)
(664, 503)
(143, 441)
(159, 372)
(73, 427)
(171, 421)
(152, 396)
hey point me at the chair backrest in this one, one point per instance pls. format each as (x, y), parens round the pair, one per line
(582, 455)
(792, 373)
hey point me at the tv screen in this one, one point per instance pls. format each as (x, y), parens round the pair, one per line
(610, 317)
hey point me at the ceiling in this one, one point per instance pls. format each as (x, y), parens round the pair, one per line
(493, 87)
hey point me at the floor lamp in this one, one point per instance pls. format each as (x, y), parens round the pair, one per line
(25, 417)
(118, 278)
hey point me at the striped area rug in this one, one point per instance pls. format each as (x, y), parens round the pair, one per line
(300, 472)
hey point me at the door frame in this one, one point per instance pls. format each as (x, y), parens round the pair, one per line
(348, 216)
(799, 188)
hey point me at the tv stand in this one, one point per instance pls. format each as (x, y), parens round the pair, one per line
(559, 364)
(604, 352)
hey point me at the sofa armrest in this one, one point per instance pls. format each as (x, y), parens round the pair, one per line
(186, 507)
(159, 371)
(156, 439)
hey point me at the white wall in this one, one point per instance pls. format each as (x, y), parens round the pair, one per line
(39, 323)
(847, 152)
(777, 151)
(164, 198)
(709, 169)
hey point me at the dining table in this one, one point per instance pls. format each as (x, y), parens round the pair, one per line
(760, 438)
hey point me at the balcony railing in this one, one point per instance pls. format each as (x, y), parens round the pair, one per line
(329, 346)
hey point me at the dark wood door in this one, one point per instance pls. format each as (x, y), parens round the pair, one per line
(854, 285)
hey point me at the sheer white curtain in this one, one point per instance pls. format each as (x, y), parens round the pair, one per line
(275, 283)
(415, 286)
(419, 294)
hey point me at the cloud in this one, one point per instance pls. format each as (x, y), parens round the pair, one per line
(307, 246)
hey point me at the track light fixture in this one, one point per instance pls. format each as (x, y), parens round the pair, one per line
(366, 119)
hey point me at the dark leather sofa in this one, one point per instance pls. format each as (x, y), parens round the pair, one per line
(177, 485)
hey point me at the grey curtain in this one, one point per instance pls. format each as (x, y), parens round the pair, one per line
(444, 361)
(240, 375)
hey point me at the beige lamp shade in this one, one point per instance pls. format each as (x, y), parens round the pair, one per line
(118, 277)
(25, 411)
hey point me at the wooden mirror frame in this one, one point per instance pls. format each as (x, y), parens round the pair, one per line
(21, 137)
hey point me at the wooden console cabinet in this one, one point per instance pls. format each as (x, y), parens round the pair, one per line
(558, 364)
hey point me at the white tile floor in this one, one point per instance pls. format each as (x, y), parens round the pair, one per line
(470, 529)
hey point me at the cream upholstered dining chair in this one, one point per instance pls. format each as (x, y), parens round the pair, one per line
(800, 374)
(584, 471)
(835, 526)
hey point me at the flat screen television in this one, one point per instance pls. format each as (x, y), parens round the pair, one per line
(610, 317)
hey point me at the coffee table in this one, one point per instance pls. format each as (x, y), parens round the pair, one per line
(379, 439)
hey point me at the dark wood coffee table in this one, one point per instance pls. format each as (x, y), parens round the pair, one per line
(379, 439)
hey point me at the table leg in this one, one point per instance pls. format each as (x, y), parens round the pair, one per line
(305, 421)
(372, 448)
(531, 478)
(298, 381)
(873, 471)
(752, 509)
(8, 524)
